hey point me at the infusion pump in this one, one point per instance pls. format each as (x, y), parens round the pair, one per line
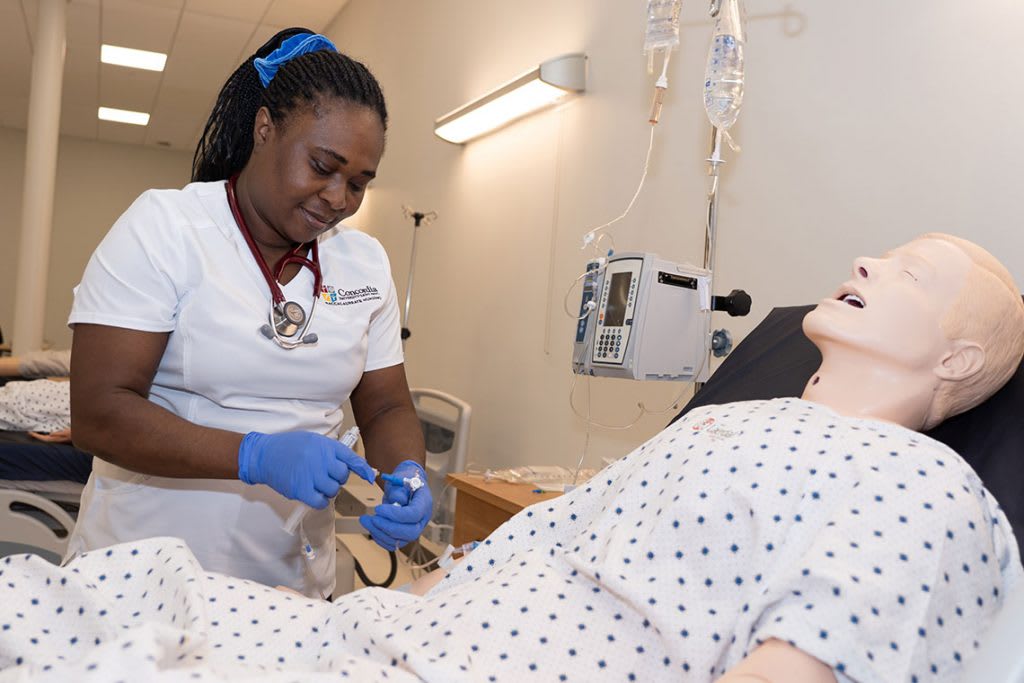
(644, 318)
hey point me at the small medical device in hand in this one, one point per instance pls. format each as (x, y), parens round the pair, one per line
(294, 522)
(413, 483)
(348, 439)
(644, 318)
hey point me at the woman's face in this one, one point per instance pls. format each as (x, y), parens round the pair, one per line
(310, 170)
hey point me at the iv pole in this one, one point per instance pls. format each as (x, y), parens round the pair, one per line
(419, 218)
(711, 229)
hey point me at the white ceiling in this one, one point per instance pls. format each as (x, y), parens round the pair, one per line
(205, 41)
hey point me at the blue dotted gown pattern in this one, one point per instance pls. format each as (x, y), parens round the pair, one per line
(871, 547)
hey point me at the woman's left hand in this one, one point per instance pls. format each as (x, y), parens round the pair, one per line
(402, 515)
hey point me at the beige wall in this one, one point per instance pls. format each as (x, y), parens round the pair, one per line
(865, 123)
(96, 182)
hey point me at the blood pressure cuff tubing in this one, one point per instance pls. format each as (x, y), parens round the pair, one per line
(777, 360)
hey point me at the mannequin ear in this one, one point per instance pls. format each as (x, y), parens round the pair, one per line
(262, 127)
(964, 359)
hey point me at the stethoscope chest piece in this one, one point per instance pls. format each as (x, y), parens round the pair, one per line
(289, 318)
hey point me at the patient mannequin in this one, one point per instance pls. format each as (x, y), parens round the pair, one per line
(927, 331)
(808, 540)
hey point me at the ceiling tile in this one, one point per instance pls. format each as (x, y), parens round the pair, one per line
(250, 10)
(205, 41)
(126, 88)
(178, 116)
(206, 52)
(129, 23)
(15, 49)
(79, 91)
(313, 14)
(82, 62)
(31, 15)
(264, 32)
(78, 119)
(160, 4)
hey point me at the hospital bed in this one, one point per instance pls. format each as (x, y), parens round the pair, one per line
(40, 488)
(445, 421)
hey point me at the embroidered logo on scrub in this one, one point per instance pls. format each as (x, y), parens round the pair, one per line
(714, 430)
(347, 297)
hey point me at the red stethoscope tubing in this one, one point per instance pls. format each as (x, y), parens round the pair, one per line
(291, 257)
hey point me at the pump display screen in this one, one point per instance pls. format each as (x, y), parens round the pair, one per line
(618, 295)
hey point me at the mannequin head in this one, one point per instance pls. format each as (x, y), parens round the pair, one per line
(989, 310)
(928, 330)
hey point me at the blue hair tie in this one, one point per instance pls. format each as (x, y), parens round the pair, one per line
(289, 49)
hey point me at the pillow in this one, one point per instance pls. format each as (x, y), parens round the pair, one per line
(776, 360)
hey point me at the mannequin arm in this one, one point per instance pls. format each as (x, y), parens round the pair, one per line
(777, 662)
(10, 366)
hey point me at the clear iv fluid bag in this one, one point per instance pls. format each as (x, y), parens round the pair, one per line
(723, 75)
(662, 24)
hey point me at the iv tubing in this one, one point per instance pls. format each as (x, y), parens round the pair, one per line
(660, 86)
(589, 236)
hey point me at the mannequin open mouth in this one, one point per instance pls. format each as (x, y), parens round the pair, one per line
(853, 300)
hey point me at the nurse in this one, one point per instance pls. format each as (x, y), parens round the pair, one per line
(203, 383)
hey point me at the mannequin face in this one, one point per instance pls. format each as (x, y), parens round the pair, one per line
(893, 307)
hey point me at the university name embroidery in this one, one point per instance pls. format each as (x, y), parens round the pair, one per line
(347, 297)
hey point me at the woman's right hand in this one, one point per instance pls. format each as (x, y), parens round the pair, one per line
(303, 466)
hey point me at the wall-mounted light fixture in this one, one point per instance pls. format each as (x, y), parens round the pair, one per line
(549, 83)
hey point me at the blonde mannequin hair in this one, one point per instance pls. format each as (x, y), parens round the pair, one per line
(990, 312)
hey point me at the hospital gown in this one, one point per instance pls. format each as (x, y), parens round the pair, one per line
(868, 546)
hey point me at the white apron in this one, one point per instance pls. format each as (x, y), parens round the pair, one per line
(176, 262)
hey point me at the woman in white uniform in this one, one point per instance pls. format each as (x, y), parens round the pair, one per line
(203, 383)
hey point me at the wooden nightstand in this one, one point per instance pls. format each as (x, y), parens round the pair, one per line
(482, 506)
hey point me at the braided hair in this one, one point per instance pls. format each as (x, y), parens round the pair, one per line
(226, 143)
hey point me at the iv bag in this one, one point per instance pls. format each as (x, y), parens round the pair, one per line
(662, 25)
(723, 74)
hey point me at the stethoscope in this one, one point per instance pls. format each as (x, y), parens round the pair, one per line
(287, 318)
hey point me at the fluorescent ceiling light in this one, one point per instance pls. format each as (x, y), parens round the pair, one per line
(551, 82)
(135, 59)
(136, 118)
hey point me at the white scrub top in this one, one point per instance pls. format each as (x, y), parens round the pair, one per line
(176, 262)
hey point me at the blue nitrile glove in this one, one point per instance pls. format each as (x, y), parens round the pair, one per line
(300, 465)
(393, 526)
